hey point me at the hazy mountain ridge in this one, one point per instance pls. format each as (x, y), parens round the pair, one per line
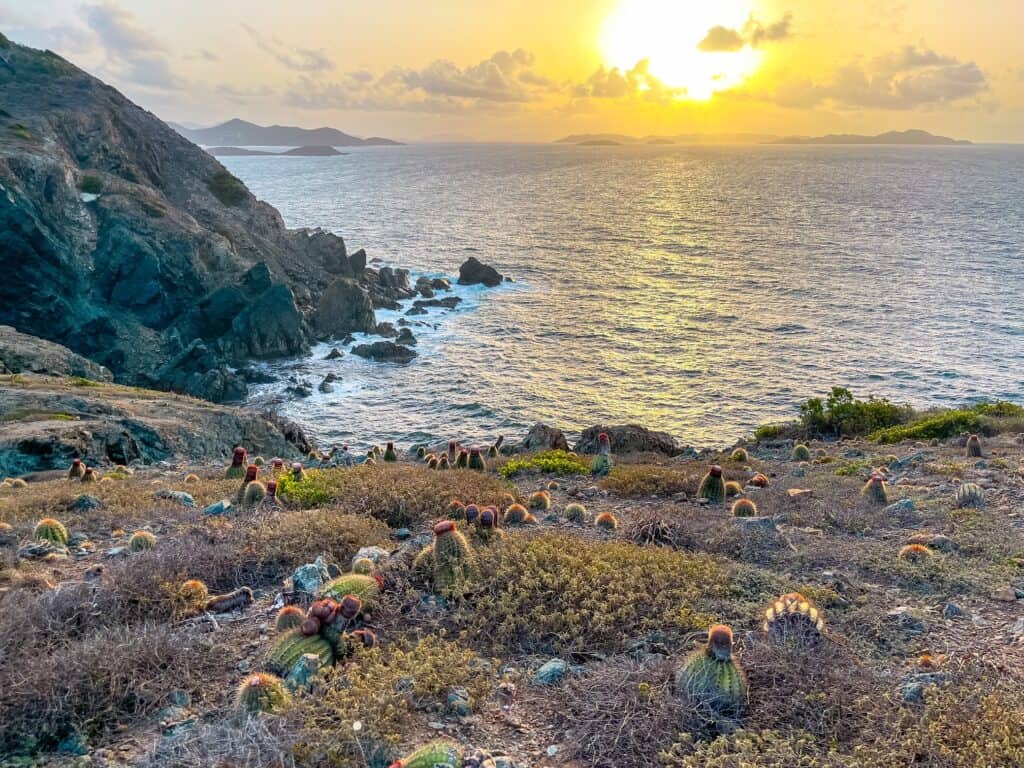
(912, 137)
(241, 133)
(682, 138)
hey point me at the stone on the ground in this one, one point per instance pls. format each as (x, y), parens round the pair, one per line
(550, 673)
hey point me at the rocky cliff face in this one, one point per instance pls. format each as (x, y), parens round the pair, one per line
(134, 248)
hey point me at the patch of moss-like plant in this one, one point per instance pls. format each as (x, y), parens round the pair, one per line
(90, 184)
(81, 381)
(648, 480)
(228, 189)
(551, 462)
(984, 418)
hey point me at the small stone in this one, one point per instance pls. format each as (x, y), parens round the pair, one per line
(377, 554)
(952, 611)
(73, 744)
(179, 698)
(402, 534)
(218, 508)
(458, 702)
(914, 685)
(310, 577)
(903, 505)
(550, 673)
(185, 499)
(1005, 595)
(334, 354)
(437, 726)
(303, 673)
(117, 552)
(552, 750)
(85, 502)
(244, 666)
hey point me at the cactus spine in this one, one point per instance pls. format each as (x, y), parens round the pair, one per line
(793, 621)
(462, 460)
(602, 463)
(712, 486)
(711, 676)
(732, 488)
(540, 500)
(744, 508)
(576, 513)
(876, 489)
(516, 514)
(366, 588)
(740, 456)
(914, 553)
(607, 521)
(289, 617)
(52, 531)
(453, 556)
(260, 693)
(255, 492)
(970, 495)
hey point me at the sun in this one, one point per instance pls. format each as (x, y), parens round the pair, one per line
(666, 33)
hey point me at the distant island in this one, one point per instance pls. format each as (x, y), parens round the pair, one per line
(312, 151)
(682, 138)
(600, 143)
(906, 138)
(239, 133)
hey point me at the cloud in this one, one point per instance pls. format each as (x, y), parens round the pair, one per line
(132, 54)
(298, 60)
(721, 39)
(507, 77)
(905, 79)
(615, 84)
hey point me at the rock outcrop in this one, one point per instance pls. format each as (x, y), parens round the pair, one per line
(345, 307)
(475, 272)
(541, 437)
(128, 244)
(20, 353)
(385, 351)
(629, 438)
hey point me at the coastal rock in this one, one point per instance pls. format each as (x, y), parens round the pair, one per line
(405, 337)
(450, 302)
(196, 371)
(271, 326)
(344, 307)
(541, 437)
(387, 330)
(385, 351)
(21, 353)
(629, 438)
(473, 272)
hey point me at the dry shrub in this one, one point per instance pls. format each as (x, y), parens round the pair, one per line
(113, 676)
(295, 537)
(387, 689)
(258, 742)
(651, 480)
(46, 619)
(622, 713)
(555, 593)
(400, 495)
(653, 527)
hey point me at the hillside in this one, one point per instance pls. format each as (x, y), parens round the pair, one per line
(901, 138)
(125, 242)
(240, 133)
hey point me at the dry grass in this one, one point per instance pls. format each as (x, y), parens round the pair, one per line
(633, 480)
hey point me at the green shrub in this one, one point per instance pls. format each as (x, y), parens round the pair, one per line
(986, 418)
(228, 189)
(648, 480)
(842, 414)
(557, 593)
(81, 381)
(90, 184)
(770, 431)
(553, 462)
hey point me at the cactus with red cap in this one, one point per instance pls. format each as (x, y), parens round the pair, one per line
(453, 451)
(876, 489)
(744, 508)
(390, 455)
(462, 460)
(712, 485)
(261, 693)
(76, 470)
(443, 462)
(89, 476)
(289, 617)
(449, 560)
(486, 530)
(237, 469)
(476, 459)
(607, 521)
(914, 553)
(711, 676)
(141, 540)
(974, 447)
(517, 514)
(602, 463)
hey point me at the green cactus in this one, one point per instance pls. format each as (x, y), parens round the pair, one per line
(292, 646)
(89, 476)
(732, 488)
(711, 676)
(289, 617)
(52, 531)
(576, 513)
(433, 463)
(453, 557)
(740, 456)
(260, 693)
(744, 508)
(390, 455)
(421, 452)
(970, 495)
(974, 447)
(237, 469)
(364, 566)
(462, 460)
(476, 460)
(492, 452)
(712, 486)
(793, 621)
(607, 521)
(365, 587)
(141, 540)
(800, 453)
(540, 500)
(438, 754)
(602, 465)
(443, 462)
(876, 489)
(516, 514)
(76, 470)
(423, 564)
(298, 472)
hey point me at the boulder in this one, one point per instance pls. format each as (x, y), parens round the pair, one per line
(271, 326)
(405, 337)
(196, 371)
(451, 302)
(344, 307)
(541, 437)
(629, 438)
(474, 272)
(21, 353)
(385, 351)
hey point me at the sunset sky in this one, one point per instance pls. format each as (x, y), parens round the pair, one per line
(536, 70)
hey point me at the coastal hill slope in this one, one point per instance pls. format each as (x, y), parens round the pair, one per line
(905, 138)
(130, 245)
(240, 133)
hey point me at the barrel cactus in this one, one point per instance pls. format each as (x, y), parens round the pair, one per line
(365, 587)
(193, 592)
(476, 459)
(970, 495)
(800, 453)
(759, 480)
(974, 447)
(390, 455)
(444, 462)
(421, 453)
(433, 463)
(191, 478)
(292, 646)
(517, 514)
(602, 464)
(740, 456)
(453, 451)
(76, 470)
(712, 485)
(540, 500)
(471, 513)
(576, 513)
(607, 521)
(289, 617)
(237, 469)
(453, 556)
(486, 530)
(456, 510)
(744, 508)
(255, 492)
(914, 553)
(52, 531)
(711, 676)
(88, 476)
(793, 621)
(732, 488)
(261, 693)
(876, 489)
(141, 540)
(462, 460)
(364, 566)
(438, 754)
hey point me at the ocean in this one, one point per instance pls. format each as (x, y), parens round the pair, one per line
(695, 290)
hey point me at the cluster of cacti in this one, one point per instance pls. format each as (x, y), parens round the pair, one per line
(974, 447)
(261, 693)
(607, 521)
(432, 462)
(876, 489)
(732, 488)
(914, 553)
(476, 459)
(237, 469)
(744, 508)
(76, 470)
(759, 480)
(390, 455)
(449, 561)
(456, 510)
(365, 587)
(602, 463)
(293, 644)
(444, 462)
(711, 677)
(540, 500)
(231, 601)
(141, 540)
(52, 531)
(438, 754)
(793, 621)
(800, 453)
(517, 514)
(576, 513)
(969, 495)
(740, 456)
(712, 485)
(485, 525)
